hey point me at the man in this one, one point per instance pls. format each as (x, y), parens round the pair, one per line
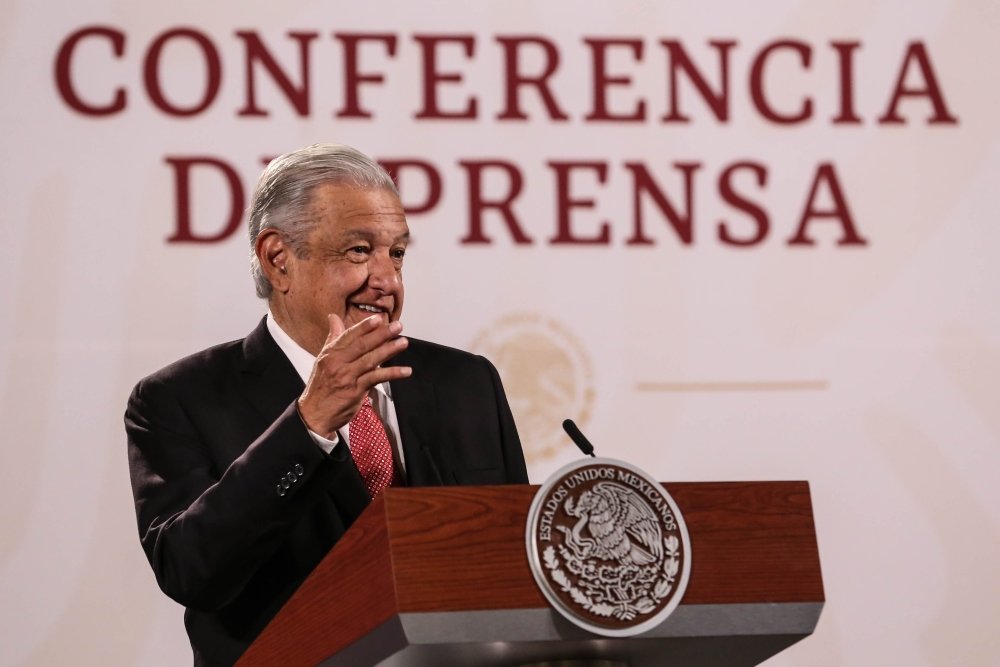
(250, 459)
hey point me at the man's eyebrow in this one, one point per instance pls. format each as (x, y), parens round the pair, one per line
(361, 233)
(368, 235)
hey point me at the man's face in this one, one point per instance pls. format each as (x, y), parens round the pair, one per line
(353, 268)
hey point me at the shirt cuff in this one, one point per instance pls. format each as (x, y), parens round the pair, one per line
(325, 444)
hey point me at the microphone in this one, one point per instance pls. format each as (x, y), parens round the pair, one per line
(574, 434)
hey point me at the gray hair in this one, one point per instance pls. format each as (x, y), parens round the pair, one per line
(283, 198)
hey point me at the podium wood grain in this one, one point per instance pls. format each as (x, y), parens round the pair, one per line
(447, 549)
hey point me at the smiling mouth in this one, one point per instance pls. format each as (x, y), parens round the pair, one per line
(369, 309)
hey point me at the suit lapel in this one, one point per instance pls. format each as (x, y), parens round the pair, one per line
(271, 383)
(269, 380)
(416, 413)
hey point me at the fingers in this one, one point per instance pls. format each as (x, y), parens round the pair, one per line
(361, 337)
(347, 367)
(356, 353)
(343, 337)
(387, 374)
(336, 327)
(372, 359)
(364, 341)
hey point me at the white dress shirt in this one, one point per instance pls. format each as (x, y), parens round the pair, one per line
(381, 395)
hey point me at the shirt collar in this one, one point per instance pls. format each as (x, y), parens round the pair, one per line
(300, 357)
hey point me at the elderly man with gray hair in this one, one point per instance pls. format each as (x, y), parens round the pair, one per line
(250, 459)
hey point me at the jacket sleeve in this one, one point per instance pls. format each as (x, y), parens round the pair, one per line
(206, 531)
(513, 456)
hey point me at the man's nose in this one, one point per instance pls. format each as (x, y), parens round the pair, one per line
(382, 273)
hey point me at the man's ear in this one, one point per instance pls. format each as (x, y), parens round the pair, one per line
(274, 255)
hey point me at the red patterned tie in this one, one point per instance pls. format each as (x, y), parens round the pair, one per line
(370, 449)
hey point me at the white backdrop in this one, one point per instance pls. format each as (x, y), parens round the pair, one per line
(867, 368)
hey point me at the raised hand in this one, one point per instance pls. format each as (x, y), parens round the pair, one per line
(347, 367)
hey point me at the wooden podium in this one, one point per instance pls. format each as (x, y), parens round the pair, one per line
(439, 576)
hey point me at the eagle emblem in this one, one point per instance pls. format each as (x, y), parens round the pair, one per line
(621, 527)
(608, 545)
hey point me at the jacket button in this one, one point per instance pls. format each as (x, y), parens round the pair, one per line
(299, 470)
(285, 483)
(281, 491)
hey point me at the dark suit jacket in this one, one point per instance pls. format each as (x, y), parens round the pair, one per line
(211, 436)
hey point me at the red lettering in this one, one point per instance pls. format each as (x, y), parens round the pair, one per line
(63, 73)
(432, 77)
(515, 79)
(845, 52)
(396, 167)
(731, 196)
(603, 81)
(184, 231)
(826, 174)
(353, 78)
(757, 83)
(565, 203)
(916, 53)
(717, 102)
(503, 205)
(256, 52)
(642, 182)
(213, 72)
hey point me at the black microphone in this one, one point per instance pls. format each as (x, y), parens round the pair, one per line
(574, 434)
